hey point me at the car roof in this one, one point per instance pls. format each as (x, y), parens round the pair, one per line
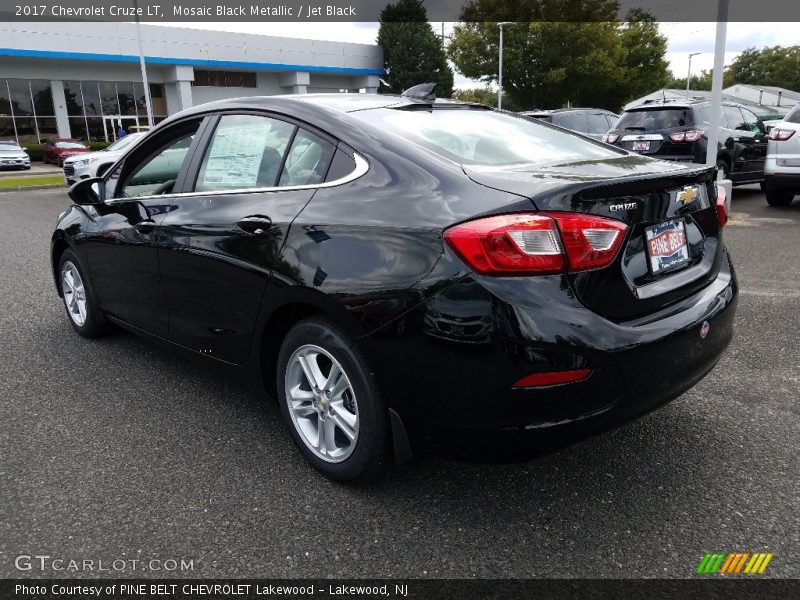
(551, 111)
(342, 103)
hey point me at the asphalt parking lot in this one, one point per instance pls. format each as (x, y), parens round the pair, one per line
(115, 449)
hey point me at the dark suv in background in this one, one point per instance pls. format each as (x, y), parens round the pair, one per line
(679, 131)
(594, 122)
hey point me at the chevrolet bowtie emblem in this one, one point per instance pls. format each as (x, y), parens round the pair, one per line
(687, 195)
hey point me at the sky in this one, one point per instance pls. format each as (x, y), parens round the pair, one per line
(683, 38)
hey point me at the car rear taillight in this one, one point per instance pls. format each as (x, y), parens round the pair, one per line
(722, 212)
(610, 138)
(537, 243)
(780, 135)
(686, 136)
(552, 378)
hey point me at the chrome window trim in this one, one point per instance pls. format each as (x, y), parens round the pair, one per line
(361, 168)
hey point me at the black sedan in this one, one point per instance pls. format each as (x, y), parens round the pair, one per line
(393, 269)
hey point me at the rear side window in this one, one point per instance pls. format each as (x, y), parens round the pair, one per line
(341, 166)
(307, 161)
(576, 121)
(483, 137)
(793, 116)
(597, 123)
(653, 119)
(734, 117)
(245, 152)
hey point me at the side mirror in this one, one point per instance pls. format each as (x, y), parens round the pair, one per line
(88, 191)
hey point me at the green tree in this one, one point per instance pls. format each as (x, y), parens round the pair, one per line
(774, 65)
(485, 96)
(701, 81)
(412, 52)
(596, 61)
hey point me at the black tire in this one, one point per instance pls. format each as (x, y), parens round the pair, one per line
(723, 166)
(369, 456)
(779, 197)
(94, 322)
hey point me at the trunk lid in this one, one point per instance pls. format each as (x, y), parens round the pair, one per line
(651, 197)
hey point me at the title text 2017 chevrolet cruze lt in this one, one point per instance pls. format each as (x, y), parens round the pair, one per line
(399, 267)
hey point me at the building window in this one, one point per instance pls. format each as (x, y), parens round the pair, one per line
(205, 78)
(26, 110)
(96, 109)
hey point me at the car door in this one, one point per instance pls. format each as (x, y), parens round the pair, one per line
(123, 240)
(47, 152)
(739, 142)
(221, 241)
(756, 147)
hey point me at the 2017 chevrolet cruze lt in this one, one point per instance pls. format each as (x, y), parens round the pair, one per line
(395, 267)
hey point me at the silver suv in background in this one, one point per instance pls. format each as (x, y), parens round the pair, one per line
(94, 164)
(782, 167)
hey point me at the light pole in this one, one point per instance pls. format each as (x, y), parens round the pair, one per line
(689, 75)
(145, 85)
(500, 70)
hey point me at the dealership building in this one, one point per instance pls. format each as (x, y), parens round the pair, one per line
(84, 80)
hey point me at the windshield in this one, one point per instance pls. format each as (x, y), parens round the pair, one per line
(69, 145)
(655, 119)
(9, 146)
(124, 142)
(484, 137)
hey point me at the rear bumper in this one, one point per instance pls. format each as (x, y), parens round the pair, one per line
(783, 181)
(636, 366)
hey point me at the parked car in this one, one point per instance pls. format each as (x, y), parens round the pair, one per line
(13, 156)
(296, 232)
(678, 130)
(92, 164)
(594, 122)
(782, 168)
(57, 150)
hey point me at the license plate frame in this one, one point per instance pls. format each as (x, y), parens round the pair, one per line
(641, 146)
(666, 246)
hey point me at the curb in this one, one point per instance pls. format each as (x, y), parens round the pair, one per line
(22, 188)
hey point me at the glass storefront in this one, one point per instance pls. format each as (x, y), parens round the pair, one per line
(95, 107)
(27, 114)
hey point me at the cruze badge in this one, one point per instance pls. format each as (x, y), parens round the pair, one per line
(623, 206)
(687, 195)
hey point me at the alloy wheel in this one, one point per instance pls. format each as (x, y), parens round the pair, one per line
(322, 403)
(74, 293)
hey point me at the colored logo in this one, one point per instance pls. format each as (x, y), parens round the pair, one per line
(734, 562)
(687, 195)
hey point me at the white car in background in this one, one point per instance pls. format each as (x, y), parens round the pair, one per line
(12, 156)
(94, 164)
(782, 166)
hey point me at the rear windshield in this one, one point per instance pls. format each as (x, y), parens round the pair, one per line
(650, 119)
(483, 137)
(793, 116)
(69, 145)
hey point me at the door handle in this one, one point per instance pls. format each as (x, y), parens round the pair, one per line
(145, 226)
(257, 224)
